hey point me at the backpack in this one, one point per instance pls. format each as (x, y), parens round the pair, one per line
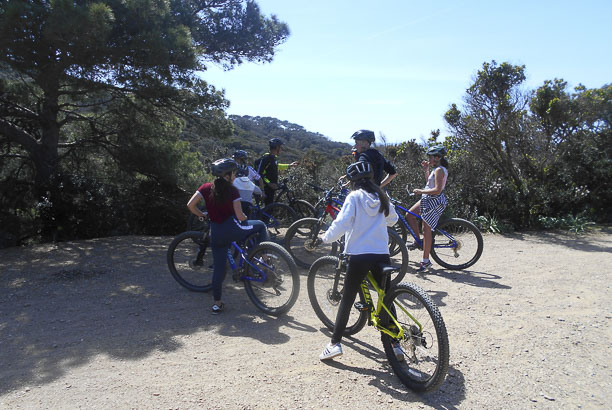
(258, 163)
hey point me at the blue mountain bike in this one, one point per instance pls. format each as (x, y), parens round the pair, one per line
(269, 274)
(457, 243)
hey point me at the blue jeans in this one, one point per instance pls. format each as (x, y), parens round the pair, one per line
(221, 236)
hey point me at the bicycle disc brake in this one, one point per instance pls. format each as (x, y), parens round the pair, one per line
(334, 297)
(311, 246)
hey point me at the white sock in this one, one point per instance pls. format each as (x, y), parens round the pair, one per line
(425, 260)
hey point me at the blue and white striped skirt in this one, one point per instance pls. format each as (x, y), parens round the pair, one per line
(432, 208)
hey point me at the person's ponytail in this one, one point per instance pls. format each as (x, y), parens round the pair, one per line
(369, 186)
(221, 189)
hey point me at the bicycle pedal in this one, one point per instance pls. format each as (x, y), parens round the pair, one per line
(362, 307)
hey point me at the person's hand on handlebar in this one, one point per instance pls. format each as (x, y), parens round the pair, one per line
(342, 183)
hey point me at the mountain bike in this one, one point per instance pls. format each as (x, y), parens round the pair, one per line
(303, 244)
(457, 243)
(277, 217)
(302, 208)
(269, 274)
(402, 313)
(338, 193)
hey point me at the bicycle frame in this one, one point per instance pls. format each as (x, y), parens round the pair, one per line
(257, 212)
(375, 319)
(241, 264)
(453, 242)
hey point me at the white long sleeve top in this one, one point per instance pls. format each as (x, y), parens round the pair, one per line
(364, 227)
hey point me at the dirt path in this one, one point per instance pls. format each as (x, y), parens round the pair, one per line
(102, 324)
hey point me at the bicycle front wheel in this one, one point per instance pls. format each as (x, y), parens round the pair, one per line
(457, 244)
(299, 239)
(424, 364)
(277, 217)
(194, 223)
(190, 260)
(398, 253)
(325, 288)
(273, 282)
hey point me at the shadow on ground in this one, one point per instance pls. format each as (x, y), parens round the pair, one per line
(62, 305)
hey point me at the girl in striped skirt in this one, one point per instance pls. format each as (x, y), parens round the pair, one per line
(432, 203)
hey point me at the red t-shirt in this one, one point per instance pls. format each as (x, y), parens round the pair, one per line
(218, 213)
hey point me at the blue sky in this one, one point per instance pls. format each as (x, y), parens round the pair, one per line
(395, 66)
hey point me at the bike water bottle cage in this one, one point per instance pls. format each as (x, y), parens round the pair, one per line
(359, 170)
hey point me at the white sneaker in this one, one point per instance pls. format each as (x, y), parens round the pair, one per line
(331, 351)
(399, 353)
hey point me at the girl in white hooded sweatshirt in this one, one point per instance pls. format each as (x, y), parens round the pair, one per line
(363, 220)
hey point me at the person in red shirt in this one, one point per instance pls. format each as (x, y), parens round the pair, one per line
(227, 221)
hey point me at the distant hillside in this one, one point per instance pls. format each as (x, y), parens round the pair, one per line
(253, 133)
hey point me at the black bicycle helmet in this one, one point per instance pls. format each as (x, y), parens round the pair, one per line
(364, 135)
(359, 170)
(240, 154)
(437, 150)
(275, 142)
(223, 166)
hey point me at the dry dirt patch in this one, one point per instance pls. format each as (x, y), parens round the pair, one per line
(102, 324)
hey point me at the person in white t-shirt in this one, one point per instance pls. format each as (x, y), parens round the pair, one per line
(245, 170)
(247, 189)
(432, 203)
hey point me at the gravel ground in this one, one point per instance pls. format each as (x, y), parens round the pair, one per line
(102, 324)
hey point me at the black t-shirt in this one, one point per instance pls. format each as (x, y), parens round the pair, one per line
(379, 163)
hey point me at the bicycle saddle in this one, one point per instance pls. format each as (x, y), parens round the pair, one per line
(386, 269)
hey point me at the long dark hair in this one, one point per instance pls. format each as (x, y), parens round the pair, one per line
(444, 162)
(368, 185)
(221, 190)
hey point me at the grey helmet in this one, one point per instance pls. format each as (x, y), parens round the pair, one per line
(437, 150)
(240, 154)
(359, 170)
(223, 166)
(275, 142)
(364, 135)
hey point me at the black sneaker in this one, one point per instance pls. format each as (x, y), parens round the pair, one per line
(216, 309)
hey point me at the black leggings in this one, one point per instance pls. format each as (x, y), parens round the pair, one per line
(358, 268)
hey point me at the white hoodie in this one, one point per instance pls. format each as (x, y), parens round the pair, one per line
(365, 227)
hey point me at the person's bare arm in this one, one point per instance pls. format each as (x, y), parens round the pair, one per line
(193, 204)
(238, 210)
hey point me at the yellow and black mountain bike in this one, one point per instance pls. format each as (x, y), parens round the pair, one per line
(403, 314)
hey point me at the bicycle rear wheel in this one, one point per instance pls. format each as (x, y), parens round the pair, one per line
(277, 217)
(457, 244)
(425, 343)
(298, 240)
(190, 260)
(302, 208)
(273, 284)
(325, 288)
